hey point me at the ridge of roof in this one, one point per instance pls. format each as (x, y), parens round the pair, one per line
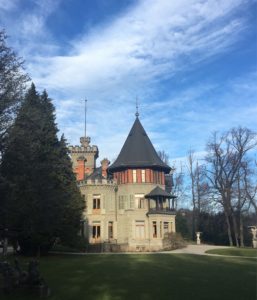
(138, 151)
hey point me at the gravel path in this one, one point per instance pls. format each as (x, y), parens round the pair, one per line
(190, 249)
(198, 249)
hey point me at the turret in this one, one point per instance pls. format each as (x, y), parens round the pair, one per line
(138, 161)
(83, 158)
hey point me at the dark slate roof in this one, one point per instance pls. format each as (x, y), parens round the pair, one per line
(138, 151)
(158, 192)
(97, 174)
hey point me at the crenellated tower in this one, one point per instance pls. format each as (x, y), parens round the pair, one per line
(83, 158)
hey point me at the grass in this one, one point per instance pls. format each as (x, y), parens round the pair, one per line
(146, 277)
(244, 252)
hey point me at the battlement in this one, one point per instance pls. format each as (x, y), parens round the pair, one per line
(97, 182)
(82, 149)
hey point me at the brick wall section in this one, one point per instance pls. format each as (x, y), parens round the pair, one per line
(151, 176)
(130, 176)
(105, 163)
(163, 178)
(147, 175)
(80, 169)
(139, 178)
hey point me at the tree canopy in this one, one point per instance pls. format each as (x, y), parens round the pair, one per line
(42, 201)
(13, 81)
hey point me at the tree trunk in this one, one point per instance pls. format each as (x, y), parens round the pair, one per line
(241, 230)
(229, 229)
(235, 227)
(239, 208)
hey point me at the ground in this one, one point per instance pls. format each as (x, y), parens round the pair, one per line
(147, 277)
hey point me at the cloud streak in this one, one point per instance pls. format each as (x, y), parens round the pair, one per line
(151, 43)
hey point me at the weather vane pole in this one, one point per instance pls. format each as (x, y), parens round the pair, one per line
(85, 117)
(137, 113)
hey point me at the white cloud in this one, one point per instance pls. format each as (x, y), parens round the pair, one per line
(110, 65)
(157, 38)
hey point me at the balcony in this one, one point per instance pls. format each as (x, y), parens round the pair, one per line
(161, 211)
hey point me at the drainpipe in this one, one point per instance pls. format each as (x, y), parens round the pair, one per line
(116, 204)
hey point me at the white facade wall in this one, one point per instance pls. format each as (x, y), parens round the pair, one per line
(131, 226)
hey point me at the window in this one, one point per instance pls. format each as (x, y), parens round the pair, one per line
(121, 202)
(139, 201)
(134, 172)
(110, 230)
(96, 231)
(166, 227)
(143, 175)
(154, 229)
(96, 202)
(140, 230)
(131, 201)
(160, 228)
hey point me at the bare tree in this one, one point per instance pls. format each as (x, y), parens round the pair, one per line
(193, 178)
(12, 85)
(178, 186)
(163, 156)
(198, 189)
(226, 156)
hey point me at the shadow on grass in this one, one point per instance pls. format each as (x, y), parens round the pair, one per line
(148, 277)
(243, 252)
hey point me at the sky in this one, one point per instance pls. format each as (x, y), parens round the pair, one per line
(191, 64)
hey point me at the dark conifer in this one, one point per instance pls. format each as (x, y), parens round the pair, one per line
(43, 201)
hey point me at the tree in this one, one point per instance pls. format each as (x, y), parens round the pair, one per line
(163, 156)
(42, 200)
(178, 187)
(12, 86)
(198, 190)
(226, 156)
(72, 202)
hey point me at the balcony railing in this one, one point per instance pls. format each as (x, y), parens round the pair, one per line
(164, 210)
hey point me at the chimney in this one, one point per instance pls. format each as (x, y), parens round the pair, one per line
(105, 163)
(80, 168)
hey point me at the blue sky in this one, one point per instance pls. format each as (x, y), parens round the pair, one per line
(191, 63)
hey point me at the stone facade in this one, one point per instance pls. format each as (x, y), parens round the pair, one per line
(117, 213)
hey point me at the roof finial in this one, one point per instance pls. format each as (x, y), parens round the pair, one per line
(85, 117)
(137, 113)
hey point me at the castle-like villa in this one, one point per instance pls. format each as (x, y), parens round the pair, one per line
(129, 204)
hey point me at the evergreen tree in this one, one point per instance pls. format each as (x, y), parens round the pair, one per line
(42, 201)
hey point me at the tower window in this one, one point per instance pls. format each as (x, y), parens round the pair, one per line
(96, 202)
(134, 176)
(143, 175)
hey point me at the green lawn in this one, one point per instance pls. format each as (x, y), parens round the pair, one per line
(147, 277)
(247, 252)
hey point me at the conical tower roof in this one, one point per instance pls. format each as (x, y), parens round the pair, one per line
(138, 152)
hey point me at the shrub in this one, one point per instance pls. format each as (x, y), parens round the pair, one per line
(173, 241)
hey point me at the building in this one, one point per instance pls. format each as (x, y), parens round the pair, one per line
(128, 207)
